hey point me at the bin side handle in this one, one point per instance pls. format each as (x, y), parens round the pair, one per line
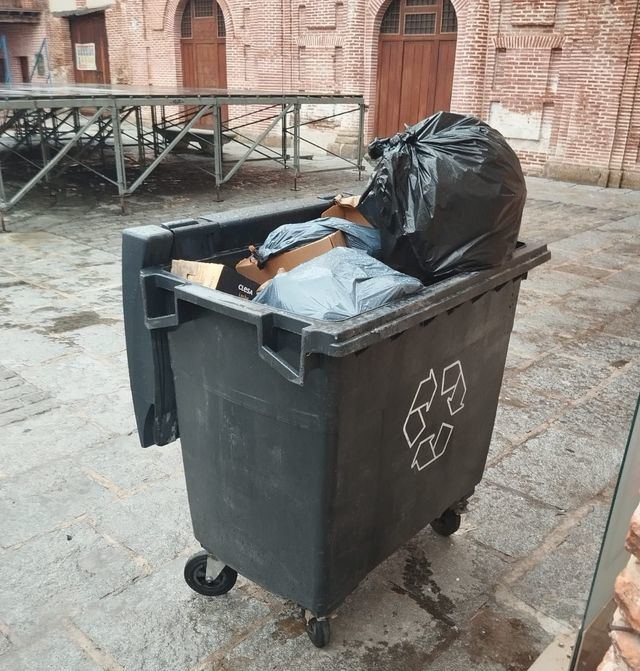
(266, 323)
(291, 373)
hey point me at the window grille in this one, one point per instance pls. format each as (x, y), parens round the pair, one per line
(419, 24)
(449, 19)
(222, 29)
(202, 8)
(391, 19)
(185, 24)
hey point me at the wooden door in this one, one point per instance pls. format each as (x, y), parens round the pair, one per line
(416, 55)
(90, 49)
(203, 45)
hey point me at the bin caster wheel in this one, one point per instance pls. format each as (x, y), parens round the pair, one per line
(319, 631)
(195, 574)
(448, 523)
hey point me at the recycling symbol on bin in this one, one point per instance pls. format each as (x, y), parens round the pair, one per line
(429, 442)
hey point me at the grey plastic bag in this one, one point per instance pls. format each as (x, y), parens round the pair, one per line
(339, 284)
(289, 236)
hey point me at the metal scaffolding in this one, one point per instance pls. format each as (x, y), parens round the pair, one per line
(122, 133)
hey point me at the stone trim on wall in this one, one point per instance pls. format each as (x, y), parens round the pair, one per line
(528, 41)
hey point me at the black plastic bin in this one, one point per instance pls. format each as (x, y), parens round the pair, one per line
(312, 450)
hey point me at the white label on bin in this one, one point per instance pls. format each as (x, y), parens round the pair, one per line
(427, 442)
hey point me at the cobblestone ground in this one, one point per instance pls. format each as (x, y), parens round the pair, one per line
(94, 531)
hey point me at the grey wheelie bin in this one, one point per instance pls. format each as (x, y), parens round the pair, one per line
(312, 450)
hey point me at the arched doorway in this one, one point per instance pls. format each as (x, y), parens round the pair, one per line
(416, 54)
(203, 45)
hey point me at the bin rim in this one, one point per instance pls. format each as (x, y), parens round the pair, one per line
(340, 338)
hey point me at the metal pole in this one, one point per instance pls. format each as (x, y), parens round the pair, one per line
(102, 140)
(284, 136)
(119, 152)
(55, 122)
(361, 110)
(217, 149)
(43, 144)
(140, 137)
(76, 123)
(3, 201)
(154, 130)
(296, 145)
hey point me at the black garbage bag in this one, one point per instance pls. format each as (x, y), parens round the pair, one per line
(289, 236)
(339, 284)
(447, 196)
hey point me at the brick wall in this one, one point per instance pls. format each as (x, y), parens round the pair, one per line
(23, 40)
(558, 77)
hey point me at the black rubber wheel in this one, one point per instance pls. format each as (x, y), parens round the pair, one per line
(319, 631)
(195, 574)
(448, 523)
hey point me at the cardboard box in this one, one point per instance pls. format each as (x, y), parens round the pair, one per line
(346, 208)
(216, 276)
(291, 259)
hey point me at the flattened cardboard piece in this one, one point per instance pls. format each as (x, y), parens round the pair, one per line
(346, 207)
(216, 276)
(290, 259)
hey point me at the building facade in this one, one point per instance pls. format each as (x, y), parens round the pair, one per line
(559, 78)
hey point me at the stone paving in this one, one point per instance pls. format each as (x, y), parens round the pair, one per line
(94, 531)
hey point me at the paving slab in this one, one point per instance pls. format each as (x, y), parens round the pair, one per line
(5, 645)
(154, 522)
(500, 444)
(588, 241)
(101, 339)
(605, 417)
(556, 377)
(546, 328)
(42, 438)
(625, 324)
(122, 464)
(76, 377)
(508, 521)
(496, 640)
(556, 283)
(558, 586)
(114, 410)
(523, 410)
(71, 566)
(628, 278)
(615, 351)
(29, 307)
(585, 270)
(52, 650)
(559, 468)
(22, 347)
(612, 259)
(44, 498)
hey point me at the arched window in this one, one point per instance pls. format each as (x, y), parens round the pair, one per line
(201, 9)
(419, 17)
